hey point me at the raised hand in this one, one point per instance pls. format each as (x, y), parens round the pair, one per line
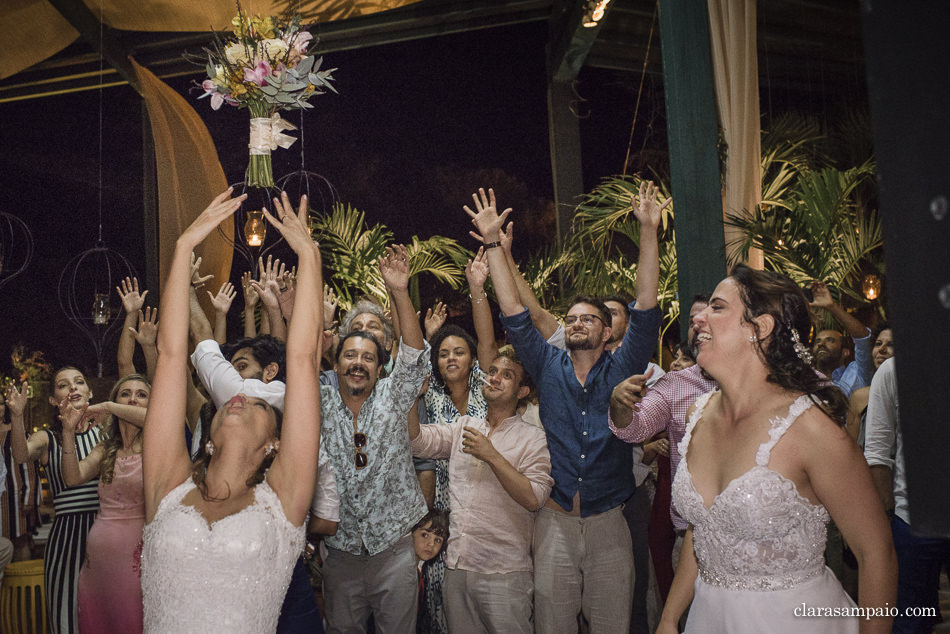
(222, 301)
(476, 271)
(250, 295)
(822, 296)
(16, 399)
(214, 214)
(394, 267)
(435, 318)
(128, 291)
(290, 225)
(147, 331)
(645, 206)
(70, 416)
(487, 221)
(97, 413)
(330, 303)
(267, 287)
(197, 280)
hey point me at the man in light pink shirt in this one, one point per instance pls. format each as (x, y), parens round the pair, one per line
(499, 475)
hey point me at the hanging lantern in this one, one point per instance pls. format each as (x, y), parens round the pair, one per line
(84, 294)
(16, 247)
(871, 286)
(255, 229)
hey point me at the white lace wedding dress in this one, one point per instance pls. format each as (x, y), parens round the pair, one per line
(228, 577)
(759, 547)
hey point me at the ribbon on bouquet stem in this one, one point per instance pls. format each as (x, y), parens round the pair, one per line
(267, 134)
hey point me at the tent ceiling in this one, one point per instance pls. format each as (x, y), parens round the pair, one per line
(801, 42)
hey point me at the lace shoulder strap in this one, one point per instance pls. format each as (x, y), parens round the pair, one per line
(780, 426)
(697, 413)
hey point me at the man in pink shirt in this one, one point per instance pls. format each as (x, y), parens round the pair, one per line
(499, 475)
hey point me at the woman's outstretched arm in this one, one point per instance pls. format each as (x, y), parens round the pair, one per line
(165, 461)
(293, 474)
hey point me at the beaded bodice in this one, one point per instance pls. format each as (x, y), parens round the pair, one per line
(759, 533)
(230, 576)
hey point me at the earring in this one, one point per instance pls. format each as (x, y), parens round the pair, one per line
(752, 338)
(270, 450)
(209, 447)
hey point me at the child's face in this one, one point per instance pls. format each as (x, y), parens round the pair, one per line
(426, 542)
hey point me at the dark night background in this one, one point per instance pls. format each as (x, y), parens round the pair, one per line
(415, 129)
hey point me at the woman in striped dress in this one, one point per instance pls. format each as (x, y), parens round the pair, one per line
(75, 507)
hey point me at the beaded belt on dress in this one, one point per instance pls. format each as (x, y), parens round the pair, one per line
(761, 583)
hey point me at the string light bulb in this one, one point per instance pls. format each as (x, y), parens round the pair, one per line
(101, 311)
(595, 12)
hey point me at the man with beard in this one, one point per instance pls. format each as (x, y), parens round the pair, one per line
(582, 549)
(849, 366)
(371, 564)
(488, 582)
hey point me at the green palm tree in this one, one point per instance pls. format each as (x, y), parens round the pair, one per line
(819, 231)
(351, 250)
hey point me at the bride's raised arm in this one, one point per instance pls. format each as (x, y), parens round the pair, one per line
(294, 471)
(165, 461)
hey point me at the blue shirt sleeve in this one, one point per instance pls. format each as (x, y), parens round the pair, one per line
(532, 350)
(643, 331)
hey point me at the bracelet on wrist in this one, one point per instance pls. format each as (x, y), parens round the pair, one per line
(479, 300)
(492, 245)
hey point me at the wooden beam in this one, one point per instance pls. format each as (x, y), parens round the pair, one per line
(692, 125)
(98, 36)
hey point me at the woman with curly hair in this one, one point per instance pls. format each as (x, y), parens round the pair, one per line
(766, 461)
(110, 591)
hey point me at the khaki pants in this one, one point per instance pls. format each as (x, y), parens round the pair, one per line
(384, 585)
(478, 603)
(582, 565)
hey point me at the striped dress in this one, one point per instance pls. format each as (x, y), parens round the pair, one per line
(20, 501)
(76, 509)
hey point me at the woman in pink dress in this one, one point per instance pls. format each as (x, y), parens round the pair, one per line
(110, 590)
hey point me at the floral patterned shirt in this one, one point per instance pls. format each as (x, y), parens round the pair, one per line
(381, 502)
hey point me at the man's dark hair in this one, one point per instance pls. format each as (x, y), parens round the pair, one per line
(381, 355)
(702, 298)
(596, 303)
(623, 300)
(265, 348)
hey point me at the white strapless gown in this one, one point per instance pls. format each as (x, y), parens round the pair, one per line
(229, 577)
(760, 549)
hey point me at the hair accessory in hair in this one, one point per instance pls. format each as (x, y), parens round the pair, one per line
(209, 447)
(803, 353)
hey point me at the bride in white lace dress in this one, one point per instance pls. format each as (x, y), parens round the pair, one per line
(221, 539)
(762, 460)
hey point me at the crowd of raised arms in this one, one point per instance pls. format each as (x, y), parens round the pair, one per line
(398, 473)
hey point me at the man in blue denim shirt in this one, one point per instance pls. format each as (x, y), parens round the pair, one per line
(582, 549)
(848, 369)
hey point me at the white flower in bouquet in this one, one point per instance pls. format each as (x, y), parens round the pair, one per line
(272, 49)
(236, 53)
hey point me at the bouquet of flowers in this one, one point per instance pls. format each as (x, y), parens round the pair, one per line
(263, 65)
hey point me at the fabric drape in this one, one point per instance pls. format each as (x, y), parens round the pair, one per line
(732, 25)
(189, 176)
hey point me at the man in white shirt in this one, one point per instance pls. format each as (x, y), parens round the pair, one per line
(488, 583)
(919, 558)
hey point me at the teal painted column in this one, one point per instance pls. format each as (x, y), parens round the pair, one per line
(693, 130)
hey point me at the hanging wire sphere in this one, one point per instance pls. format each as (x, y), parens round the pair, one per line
(16, 247)
(257, 198)
(86, 295)
(321, 194)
